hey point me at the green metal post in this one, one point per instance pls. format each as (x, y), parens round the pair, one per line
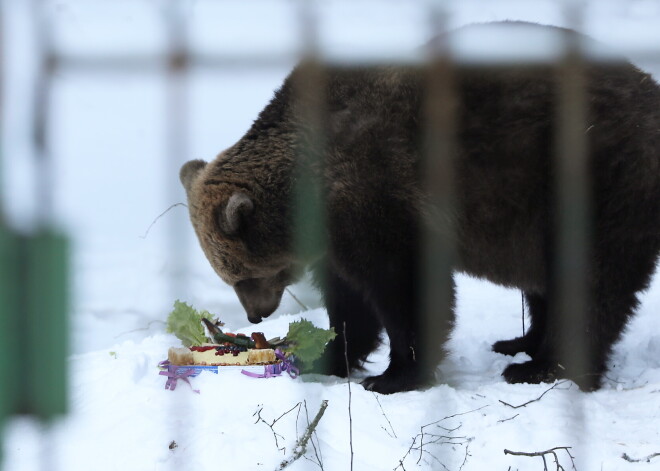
(9, 315)
(46, 301)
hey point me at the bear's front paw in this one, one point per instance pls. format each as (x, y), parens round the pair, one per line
(532, 372)
(392, 382)
(517, 345)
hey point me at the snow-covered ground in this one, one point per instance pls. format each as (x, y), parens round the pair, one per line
(108, 136)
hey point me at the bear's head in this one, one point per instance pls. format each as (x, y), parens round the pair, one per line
(242, 231)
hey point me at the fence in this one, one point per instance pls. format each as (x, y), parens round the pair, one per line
(572, 178)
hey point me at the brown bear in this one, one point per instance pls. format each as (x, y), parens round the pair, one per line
(241, 207)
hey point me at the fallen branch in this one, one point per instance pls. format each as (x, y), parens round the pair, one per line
(301, 445)
(646, 458)
(317, 451)
(542, 454)
(534, 400)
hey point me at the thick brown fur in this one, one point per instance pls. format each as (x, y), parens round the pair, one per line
(240, 206)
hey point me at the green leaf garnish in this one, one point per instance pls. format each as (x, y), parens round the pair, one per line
(308, 342)
(186, 323)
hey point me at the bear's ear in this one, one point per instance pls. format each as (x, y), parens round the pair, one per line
(189, 171)
(238, 206)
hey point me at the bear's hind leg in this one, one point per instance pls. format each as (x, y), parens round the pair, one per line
(531, 340)
(347, 308)
(613, 300)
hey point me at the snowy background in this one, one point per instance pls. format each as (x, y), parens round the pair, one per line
(112, 178)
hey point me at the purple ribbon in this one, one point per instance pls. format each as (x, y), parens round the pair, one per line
(173, 375)
(277, 369)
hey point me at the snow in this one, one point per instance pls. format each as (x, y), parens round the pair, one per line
(108, 139)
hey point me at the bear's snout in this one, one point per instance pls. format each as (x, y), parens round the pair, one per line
(259, 297)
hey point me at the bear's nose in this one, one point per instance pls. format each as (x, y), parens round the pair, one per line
(259, 297)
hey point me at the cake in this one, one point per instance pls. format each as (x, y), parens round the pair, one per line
(220, 355)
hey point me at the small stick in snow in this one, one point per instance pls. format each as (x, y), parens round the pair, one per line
(393, 434)
(466, 457)
(271, 425)
(534, 400)
(301, 445)
(427, 438)
(160, 216)
(542, 454)
(506, 420)
(633, 460)
(348, 381)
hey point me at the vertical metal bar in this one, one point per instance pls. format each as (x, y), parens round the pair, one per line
(43, 265)
(178, 66)
(47, 63)
(9, 329)
(46, 252)
(573, 208)
(309, 201)
(46, 300)
(176, 128)
(9, 301)
(438, 175)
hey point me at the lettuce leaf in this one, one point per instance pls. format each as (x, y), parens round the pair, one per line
(186, 323)
(308, 342)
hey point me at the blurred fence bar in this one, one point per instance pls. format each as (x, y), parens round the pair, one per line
(309, 215)
(573, 216)
(34, 283)
(177, 133)
(41, 115)
(9, 332)
(438, 179)
(45, 326)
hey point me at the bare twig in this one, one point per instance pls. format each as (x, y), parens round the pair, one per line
(393, 434)
(506, 420)
(301, 445)
(426, 438)
(160, 216)
(537, 399)
(295, 298)
(647, 459)
(542, 455)
(467, 446)
(271, 425)
(348, 381)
